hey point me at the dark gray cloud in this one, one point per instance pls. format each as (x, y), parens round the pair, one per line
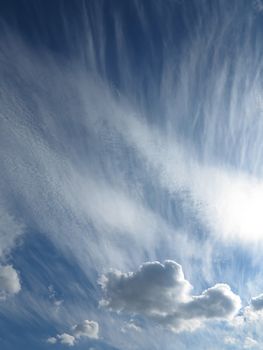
(161, 292)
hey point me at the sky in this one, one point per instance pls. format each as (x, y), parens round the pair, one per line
(131, 174)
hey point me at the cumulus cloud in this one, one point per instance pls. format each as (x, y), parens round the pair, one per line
(161, 293)
(89, 329)
(63, 338)
(218, 301)
(9, 281)
(66, 339)
(51, 340)
(151, 290)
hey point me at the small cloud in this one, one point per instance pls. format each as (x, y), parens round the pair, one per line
(51, 340)
(161, 292)
(131, 326)
(230, 340)
(87, 328)
(9, 281)
(63, 338)
(66, 339)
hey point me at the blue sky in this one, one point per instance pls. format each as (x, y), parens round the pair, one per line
(131, 174)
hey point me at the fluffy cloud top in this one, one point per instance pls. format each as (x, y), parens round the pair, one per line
(160, 292)
(151, 290)
(9, 281)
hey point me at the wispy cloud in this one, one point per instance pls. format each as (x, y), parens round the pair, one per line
(158, 159)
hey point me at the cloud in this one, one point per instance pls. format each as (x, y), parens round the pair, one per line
(89, 329)
(10, 230)
(131, 326)
(230, 340)
(9, 281)
(66, 339)
(46, 164)
(217, 193)
(251, 313)
(160, 292)
(151, 290)
(63, 338)
(215, 302)
(247, 343)
(51, 340)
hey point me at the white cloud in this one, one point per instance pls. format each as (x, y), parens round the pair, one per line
(228, 201)
(131, 326)
(230, 340)
(9, 281)
(161, 293)
(87, 328)
(66, 339)
(51, 340)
